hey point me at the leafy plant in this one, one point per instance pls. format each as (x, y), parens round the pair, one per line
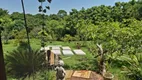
(22, 63)
(68, 38)
(134, 70)
(87, 64)
(46, 75)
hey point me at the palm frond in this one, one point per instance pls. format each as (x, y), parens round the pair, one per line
(20, 63)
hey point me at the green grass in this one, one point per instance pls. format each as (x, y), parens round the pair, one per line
(9, 47)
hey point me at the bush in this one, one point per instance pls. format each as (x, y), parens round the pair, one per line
(22, 63)
(87, 64)
(46, 75)
(23, 45)
(134, 69)
(68, 38)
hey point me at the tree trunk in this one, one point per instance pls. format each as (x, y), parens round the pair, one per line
(2, 66)
(26, 27)
(102, 60)
(28, 38)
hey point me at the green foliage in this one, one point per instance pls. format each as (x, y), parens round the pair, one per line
(3, 12)
(62, 13)
(46, 75)
(20, 36)
(134, 70)
(117, 27)
(87, 24)
(22, 46)
(8, 25)
(87, 63)
(22, 63)
(68, 38)
(42, 33)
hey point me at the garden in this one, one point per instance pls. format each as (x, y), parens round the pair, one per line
(111, 37)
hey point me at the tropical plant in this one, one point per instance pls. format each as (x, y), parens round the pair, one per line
(134, 69)
(22, 63)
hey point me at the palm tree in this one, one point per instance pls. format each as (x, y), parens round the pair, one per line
(20, 63)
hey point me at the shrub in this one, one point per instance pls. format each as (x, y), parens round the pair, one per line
(22, 63)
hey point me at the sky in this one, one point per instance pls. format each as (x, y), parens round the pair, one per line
(31, 6)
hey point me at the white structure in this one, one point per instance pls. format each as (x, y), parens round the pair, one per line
(44, 48)
(56, 46)
(56, 51)
(79, 52)
(67, 52)
(47, 48)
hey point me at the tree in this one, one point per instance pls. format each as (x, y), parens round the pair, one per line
(16, 16)
(3, 12)
(54, 17)
(8, 25)
(55, 29)
(62, 13)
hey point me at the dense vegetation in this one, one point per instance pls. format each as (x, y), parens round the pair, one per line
(118, 28)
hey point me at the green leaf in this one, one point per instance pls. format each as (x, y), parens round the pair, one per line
(135, 60)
